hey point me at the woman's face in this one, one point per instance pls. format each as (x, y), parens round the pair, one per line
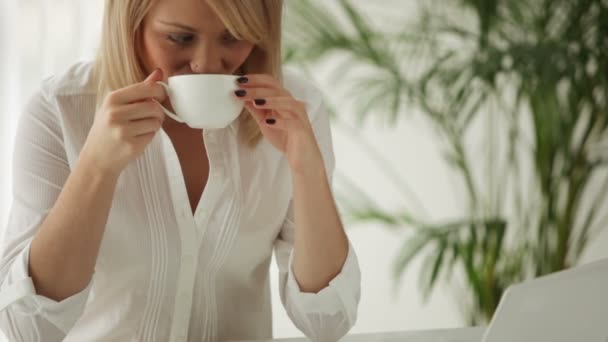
(187, 37)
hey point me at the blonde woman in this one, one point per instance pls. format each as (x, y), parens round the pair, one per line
(129, 226)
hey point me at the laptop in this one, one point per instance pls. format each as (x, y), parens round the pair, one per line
(568, 306)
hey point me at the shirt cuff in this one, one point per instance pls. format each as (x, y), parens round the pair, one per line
(18, 293)
(341, 295)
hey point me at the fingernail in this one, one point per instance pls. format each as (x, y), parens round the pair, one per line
(242, 79)
(260, 102)
(240, 93)
(271, 121)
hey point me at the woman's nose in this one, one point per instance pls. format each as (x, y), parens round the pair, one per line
(207, 60)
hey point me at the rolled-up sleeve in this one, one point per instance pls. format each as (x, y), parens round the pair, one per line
(40, 169)
(325, 316)
(328, 315)
(25, 312)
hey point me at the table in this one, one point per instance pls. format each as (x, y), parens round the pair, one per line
(447, 335)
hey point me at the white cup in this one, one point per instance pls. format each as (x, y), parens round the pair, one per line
(203, 101)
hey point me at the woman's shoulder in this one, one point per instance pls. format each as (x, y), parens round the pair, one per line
(76, 80)
(65, 96)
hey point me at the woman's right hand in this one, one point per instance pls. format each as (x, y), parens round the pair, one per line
(125, 124)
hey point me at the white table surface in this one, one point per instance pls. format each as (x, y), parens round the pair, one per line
(447, 335)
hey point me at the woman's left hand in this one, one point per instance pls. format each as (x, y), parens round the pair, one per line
(282, 119)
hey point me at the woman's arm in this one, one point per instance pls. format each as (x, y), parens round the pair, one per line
(64, 251)
(321, 245)
(318, 270)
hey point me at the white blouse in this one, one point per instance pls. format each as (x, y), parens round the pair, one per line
(162, 273)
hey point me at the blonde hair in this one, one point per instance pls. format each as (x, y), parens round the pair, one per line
(258, 21)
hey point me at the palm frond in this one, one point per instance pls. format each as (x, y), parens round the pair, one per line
(538, 67)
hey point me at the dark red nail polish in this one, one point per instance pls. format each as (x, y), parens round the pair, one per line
(260, 102)
(240, 93)
(271, 121)
(242, 79)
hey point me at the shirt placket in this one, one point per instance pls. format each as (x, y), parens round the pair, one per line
(191, 229)
(185, 285)
(189, 247)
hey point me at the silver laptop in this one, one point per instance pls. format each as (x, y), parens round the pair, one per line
(568, 306)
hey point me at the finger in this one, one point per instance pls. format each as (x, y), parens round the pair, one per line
(266, 118)
(285, 106)
(259, 80)
(155, 76)
(277, 123)
(147, 89)
(141, 127)
(266, 113)
(251, 94)
(144, 139)
(258, 114)
(140, 110)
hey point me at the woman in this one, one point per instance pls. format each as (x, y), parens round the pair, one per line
(128, 226)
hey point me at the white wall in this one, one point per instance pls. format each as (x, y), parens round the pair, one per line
(38, 39)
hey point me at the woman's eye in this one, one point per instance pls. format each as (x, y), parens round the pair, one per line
(181, 39)
(229, 38)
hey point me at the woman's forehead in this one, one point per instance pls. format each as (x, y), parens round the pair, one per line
(197, 14)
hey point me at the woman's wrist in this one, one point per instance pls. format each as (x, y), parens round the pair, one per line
(93, 168)
(308, 172)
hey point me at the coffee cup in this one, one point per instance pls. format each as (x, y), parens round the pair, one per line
(203, 101)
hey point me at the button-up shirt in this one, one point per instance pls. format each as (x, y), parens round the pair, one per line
(164, 274)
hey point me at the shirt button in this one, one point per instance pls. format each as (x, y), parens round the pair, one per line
(212, 138)
(214, 174)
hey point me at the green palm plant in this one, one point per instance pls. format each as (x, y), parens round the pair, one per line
(533, 74)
